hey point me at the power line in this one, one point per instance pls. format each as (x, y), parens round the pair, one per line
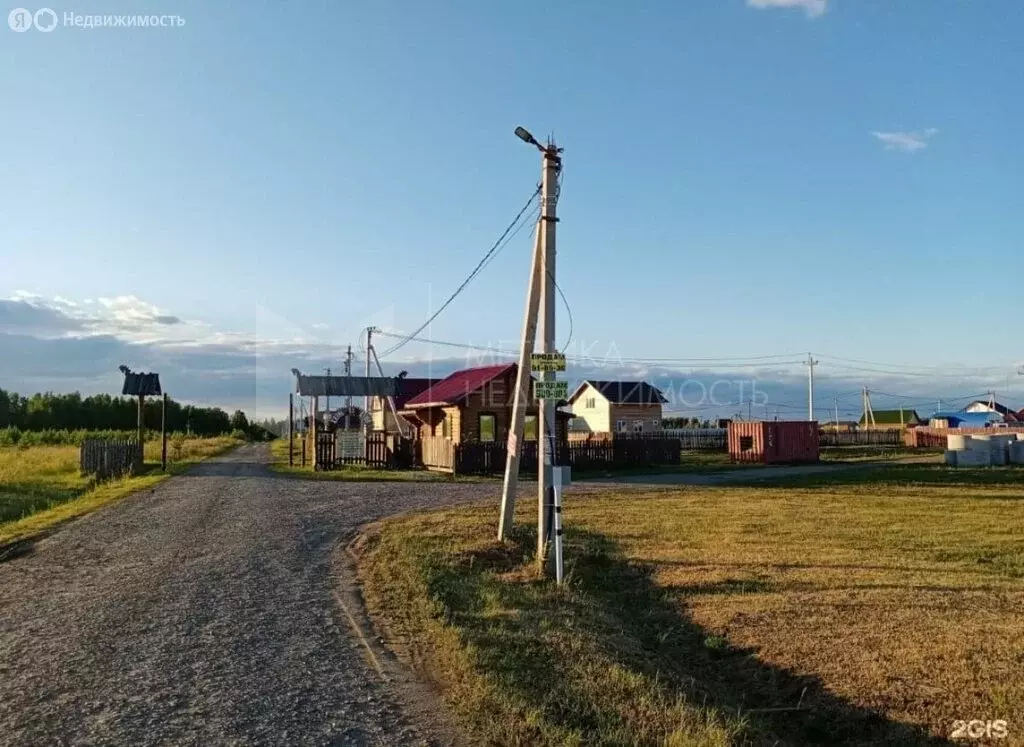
(476, 270)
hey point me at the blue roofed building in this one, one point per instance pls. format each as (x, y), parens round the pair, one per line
(962, 419)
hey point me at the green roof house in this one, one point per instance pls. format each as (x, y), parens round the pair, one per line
(888, 419)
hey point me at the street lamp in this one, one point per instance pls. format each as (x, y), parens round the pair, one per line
(523, 134)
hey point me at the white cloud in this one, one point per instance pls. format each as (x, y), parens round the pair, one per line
(908, 142)
(813, 8)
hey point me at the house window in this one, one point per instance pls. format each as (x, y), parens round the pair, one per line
(487, 428)
(620, 426)
(590, 403)
(656, 424)
(746, 443)
(446, 427)
(638, 426)
(530, 428)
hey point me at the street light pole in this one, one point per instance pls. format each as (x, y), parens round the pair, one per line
(540, 318)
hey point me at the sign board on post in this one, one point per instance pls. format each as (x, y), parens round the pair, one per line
(547, 362)
(556, 390)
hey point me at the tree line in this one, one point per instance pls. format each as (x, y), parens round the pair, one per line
(46, 411)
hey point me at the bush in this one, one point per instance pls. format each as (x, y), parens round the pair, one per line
(240, 435)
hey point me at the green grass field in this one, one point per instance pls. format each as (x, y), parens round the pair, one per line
(40, 486)
(876, 611)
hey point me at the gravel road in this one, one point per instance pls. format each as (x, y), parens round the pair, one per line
(204, 612)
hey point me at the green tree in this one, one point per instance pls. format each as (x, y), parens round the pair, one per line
(239, 422)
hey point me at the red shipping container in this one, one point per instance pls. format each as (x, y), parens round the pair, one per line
(774, 441)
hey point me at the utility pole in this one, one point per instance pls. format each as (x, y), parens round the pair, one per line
(810, 363)
(869, 411)
(552, 164)
(348, 374)
(522, 392)
(835, 401)
(366, 398)
(540, 318)
(328, 405)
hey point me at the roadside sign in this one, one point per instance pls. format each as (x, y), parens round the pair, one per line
(547, 362)
(551, 390)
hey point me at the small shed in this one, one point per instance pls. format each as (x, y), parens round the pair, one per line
(774, 441)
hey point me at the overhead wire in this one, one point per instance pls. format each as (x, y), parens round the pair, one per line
(476, 271)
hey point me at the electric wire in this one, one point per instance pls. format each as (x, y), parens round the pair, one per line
(476, 271)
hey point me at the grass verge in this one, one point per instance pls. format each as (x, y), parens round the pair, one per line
(40, 486)
(718, 615)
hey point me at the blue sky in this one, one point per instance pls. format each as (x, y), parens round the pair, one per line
(741, 179)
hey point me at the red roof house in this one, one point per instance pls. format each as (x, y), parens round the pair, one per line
(474, 404)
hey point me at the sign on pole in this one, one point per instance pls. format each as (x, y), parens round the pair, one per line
(547, 362)
(556, 390)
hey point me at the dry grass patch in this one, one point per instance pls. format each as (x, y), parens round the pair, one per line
(873, 614)
(40, 486)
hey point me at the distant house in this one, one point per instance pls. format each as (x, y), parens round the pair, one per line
(1009, 416)
(474, 404)
(891, 420)
(617, 407)
(380, 410)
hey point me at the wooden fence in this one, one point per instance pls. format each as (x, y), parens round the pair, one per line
(935, 438)
(108, 458)
(892, 437)
(476, 458)
(436, 453)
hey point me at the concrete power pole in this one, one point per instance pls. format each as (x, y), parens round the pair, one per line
(540, 318)
(348, 374)
(366, 398)
(552, 163)
(810, 363)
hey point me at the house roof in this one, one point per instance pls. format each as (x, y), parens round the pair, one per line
(458, 385)
(1001, 409)
(408, 388)
(623, 392)
(892, 417)
(970, 418)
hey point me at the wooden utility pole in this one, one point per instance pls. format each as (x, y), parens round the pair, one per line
(140, 427)
(312, 420)
(163, 434)
(291, 421)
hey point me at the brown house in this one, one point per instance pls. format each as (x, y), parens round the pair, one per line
(474, 404)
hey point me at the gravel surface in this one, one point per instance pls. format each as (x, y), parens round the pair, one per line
(204, 612)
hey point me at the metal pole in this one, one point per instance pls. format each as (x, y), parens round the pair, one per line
(291, 420)
(522, 392)
(548, 221)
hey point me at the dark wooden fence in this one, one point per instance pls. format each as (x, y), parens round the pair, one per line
(489, 458)
(893, 437)
(379, 450)
(935, 438)
(108, 458)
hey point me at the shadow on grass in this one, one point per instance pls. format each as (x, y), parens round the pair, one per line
(618, 618)
(21, 499)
